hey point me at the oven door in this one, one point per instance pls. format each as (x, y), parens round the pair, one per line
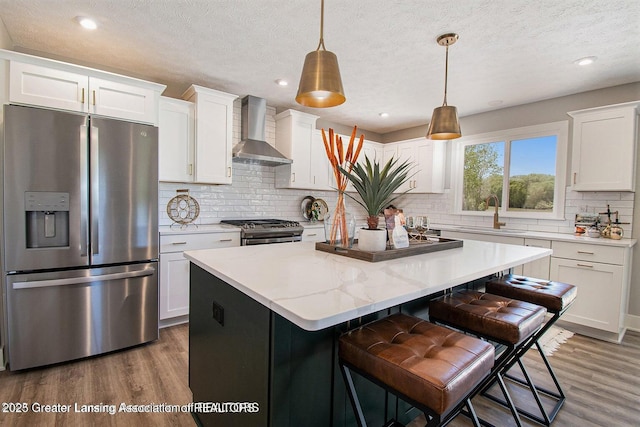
(268, 240)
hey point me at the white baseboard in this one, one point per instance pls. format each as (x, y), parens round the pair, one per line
(632, 322)
(165, 323)
(592, 332)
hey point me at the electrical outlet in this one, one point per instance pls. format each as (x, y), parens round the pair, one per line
(218, 313)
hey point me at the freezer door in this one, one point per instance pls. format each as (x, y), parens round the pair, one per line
(55, 317)
(124, 191)
(45, 156)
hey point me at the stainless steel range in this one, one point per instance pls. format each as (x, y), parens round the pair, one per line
(264, 231)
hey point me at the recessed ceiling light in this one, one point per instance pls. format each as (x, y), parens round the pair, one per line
(282, 82)
(87, 23)
(587, 60)
(384, 115)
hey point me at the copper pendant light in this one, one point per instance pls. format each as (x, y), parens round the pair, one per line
(320, 82)
(444, 120)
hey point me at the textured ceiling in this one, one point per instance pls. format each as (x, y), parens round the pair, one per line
(510, 52)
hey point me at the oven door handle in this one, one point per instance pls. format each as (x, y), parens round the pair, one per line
(267, 240)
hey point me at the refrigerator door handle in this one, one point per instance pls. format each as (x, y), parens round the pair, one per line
(95, 191)
(80, 280)
(84, 189)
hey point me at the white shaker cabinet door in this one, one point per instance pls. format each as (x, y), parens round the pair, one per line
(604, 148)
(122, 101)
(174, 285)
(539, 268)
(599, 298)
(36, 85)
(213, 134)
(176, 140)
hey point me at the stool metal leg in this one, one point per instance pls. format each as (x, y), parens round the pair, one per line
(353, 397)
(547, 417)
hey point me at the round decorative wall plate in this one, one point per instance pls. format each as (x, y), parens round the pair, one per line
(183, 209)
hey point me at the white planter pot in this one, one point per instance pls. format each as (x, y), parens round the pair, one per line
(372, 240)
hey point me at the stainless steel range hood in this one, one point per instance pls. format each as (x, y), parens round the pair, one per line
(253, 147)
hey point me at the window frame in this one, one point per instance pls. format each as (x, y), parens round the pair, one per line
(559, 129)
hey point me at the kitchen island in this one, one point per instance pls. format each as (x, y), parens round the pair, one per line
(264, 322)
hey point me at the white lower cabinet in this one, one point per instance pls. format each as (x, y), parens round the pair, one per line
(602, 275)
(313, 234)
(174, 269)
(539, 268)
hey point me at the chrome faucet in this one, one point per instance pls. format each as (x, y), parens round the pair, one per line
(496, 222)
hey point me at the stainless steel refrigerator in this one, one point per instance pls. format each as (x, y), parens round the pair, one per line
(79, 235)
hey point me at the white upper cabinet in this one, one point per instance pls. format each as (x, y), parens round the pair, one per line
(34, 85)
(52, 84)
(427, 158)
(604, 148)
(176, 137)
(298, 139)
(124, 101)
(371, 149)
(213, 134)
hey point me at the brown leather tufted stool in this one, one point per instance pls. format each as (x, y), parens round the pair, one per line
(556, 297)
(506, 321)
(434, 368)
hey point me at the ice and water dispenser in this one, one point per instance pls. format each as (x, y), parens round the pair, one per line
(47, 219)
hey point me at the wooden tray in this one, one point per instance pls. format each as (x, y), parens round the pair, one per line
(434, 244)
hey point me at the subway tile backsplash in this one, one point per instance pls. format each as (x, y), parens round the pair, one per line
(253, 195)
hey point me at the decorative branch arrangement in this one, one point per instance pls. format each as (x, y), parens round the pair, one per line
(339, 158)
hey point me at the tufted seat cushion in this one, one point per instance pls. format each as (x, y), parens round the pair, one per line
(555, 296)
(432, 365)
(503, 319)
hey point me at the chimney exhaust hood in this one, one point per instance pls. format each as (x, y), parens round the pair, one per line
(253, 147)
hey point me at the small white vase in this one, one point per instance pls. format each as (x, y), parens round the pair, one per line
(372, 240)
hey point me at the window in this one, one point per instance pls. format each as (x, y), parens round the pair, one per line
(525, 168)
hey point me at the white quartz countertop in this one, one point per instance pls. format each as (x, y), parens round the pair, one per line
(625, 242)
(316, 290)
(193, 229)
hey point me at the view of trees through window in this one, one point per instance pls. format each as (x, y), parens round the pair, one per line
(531, 174)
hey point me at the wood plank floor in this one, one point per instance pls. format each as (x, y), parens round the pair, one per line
(151, 373)
(601, 380)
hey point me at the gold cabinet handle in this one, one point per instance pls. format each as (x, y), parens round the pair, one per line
(229, 171)
(584, 265)
(179, 243)
(82, 96)
(190, 169)
(293, 177)
(226, 240)
(585, 252)
(94, 97)
(574, 177)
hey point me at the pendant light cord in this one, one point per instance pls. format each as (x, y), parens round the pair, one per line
(321, 43)
(446, 72)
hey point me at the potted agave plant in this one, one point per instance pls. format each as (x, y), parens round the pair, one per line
(376, 185)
